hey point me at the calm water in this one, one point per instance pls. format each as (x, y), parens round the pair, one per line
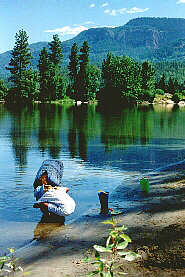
(100, 150)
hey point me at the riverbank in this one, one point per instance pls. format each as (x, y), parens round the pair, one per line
(157, 229)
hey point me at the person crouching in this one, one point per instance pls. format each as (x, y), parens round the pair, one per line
(53, 199)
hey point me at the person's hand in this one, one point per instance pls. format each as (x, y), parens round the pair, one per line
(47, 187)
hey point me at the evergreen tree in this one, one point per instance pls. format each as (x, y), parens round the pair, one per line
(178, 93)
(30, 84)
(106, 73)
(44, 66)
(82, 78)
(55, 48)
(148, 82)
(73, 70)
(56, 78)
(162, 83)
(176, 86)
(19, 65)
(3, 89)
(171, 86)
(147, 74)
(93, 81)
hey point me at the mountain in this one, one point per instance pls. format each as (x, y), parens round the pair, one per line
(144, 38)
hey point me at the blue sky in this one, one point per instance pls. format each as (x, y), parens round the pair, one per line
(41, 19)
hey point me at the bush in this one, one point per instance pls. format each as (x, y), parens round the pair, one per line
(147, 95)
(159, 91)
(115, 247)
(177, 97)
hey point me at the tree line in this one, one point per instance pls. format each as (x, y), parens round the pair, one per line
(119, 79)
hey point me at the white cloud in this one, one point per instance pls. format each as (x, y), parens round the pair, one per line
(88, 23)
(107, 11)
(113, 12)
(124, 10)
(92, 6)
(180, 2)
(137, 10)
(105, 4)
(67, 30)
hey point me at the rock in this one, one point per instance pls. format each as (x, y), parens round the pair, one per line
(181, 103)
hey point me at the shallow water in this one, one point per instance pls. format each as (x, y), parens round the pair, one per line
(100, 150)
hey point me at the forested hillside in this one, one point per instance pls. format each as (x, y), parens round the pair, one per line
(118, 79)
(152, 39)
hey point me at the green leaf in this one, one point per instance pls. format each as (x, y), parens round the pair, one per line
(131, 256)
(4, 258)
(120, 228)
(101, 267)
(122, 245)
(108, 222)
(113, 234)
(27, 273)
(96, 262)
(108, 240)
(11, 250)
(123, 253)
(101, 248)
(86, 260)
(97, 255)
(125, 237)
(110, 246)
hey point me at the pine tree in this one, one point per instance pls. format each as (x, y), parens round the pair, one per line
(170, 86)
(3, 89)
(56, 78)
(73, 70)
(19, 65)
(84, 56)
(44, 67)
(82, 78)
(55, 48)
(147, 74)
(106, 73)
(162, 83)
(176, 86)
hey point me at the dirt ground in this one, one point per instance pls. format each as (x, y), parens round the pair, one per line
(157, 232)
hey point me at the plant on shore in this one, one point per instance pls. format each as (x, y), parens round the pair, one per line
(116, 243)
(145, 185)
(8, 263)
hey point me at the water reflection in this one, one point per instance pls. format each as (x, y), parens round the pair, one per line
(51, 128)
(20, 133)
(100, 150)
(127, 128)
(78, 131)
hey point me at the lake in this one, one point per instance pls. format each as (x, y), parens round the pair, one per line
(100, 149)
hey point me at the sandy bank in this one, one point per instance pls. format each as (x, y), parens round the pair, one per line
(156, 226)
